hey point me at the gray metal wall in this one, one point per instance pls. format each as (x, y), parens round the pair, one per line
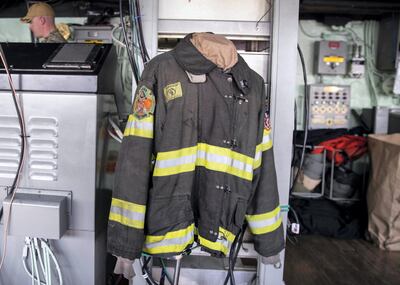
(75, 120)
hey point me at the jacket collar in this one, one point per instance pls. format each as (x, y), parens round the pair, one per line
(191, 60)
(241, 74)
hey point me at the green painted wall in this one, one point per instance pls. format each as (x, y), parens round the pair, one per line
(362, 95)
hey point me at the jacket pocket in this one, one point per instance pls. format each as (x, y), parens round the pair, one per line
(166, 212)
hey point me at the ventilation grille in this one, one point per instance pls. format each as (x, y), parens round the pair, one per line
(10, 146)
(43, 148)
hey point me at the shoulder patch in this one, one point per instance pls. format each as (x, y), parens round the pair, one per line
(172, 91)
(144, 103)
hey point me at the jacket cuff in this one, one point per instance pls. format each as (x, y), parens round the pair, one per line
(124, 252)
(124, 241)
(270, 244)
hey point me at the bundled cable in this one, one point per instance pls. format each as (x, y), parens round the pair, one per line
(233, 254)
(146, 272)
(42, 260)
(126, 42)
(114, 131)
(139, 30)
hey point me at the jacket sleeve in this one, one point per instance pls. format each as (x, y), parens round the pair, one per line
(133, 174)
(263, 214)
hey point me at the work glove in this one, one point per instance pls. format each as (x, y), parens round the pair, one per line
(125, 267)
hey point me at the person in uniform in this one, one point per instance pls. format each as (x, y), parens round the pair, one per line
(40, 18)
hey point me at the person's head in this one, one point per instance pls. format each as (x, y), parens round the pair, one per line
(40, 17)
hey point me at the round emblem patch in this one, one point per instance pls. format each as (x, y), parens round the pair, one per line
(144, 103)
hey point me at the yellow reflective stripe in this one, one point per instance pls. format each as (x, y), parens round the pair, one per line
(209, 156)
(128, 205)
(257, 163)
(219, 245)
(139, 127)
(127, 213)
(126, 221)
(266, 229)
(222, 244)
(224, 168)
(266, 222)
(175, 241)
(170, 235)
(266, 141)
(266, 144)
(224, 160)
(225, 152)
(227, 234)
(174, 170)
(264, 216)
(177, 153)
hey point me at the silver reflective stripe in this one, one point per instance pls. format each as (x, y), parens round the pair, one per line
(216, 158)
(172, 241)
(176, 161)
(222, 240)
(127, 214)
(140, 125)
(258, 155)
(266, 139)
(264, 223)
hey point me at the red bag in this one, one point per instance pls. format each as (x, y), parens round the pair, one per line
(344, 148)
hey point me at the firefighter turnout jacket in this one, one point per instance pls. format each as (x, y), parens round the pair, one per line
(196, 161)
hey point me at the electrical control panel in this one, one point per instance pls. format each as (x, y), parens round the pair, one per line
(331, 57)
(329, 106)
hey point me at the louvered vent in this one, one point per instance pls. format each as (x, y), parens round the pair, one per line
(10, 144)
(43, 148)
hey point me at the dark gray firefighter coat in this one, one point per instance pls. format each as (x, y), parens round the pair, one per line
(196, 161)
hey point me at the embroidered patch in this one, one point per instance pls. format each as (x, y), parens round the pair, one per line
(267, 122)
(144, 103)
(172, 91)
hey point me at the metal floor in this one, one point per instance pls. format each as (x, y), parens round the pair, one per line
(321, 260)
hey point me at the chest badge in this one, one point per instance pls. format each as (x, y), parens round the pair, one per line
(144, 103)
(172, 91)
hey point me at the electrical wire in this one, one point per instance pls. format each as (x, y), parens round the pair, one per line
(32, 249)
(126, 41)
(115, 137)
(115, 132)
(135, 31)
(21, 121)
(233, 254)
(114, 39)
(145, 271)
(164, 268)
(306, 121)
(265, 14)
(138, 18)
(116, 128)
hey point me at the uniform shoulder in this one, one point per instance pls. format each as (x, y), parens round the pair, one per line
(257, 78)
(160, 59)
(157, 63)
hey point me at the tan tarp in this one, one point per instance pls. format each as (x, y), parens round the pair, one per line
(383, 197)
